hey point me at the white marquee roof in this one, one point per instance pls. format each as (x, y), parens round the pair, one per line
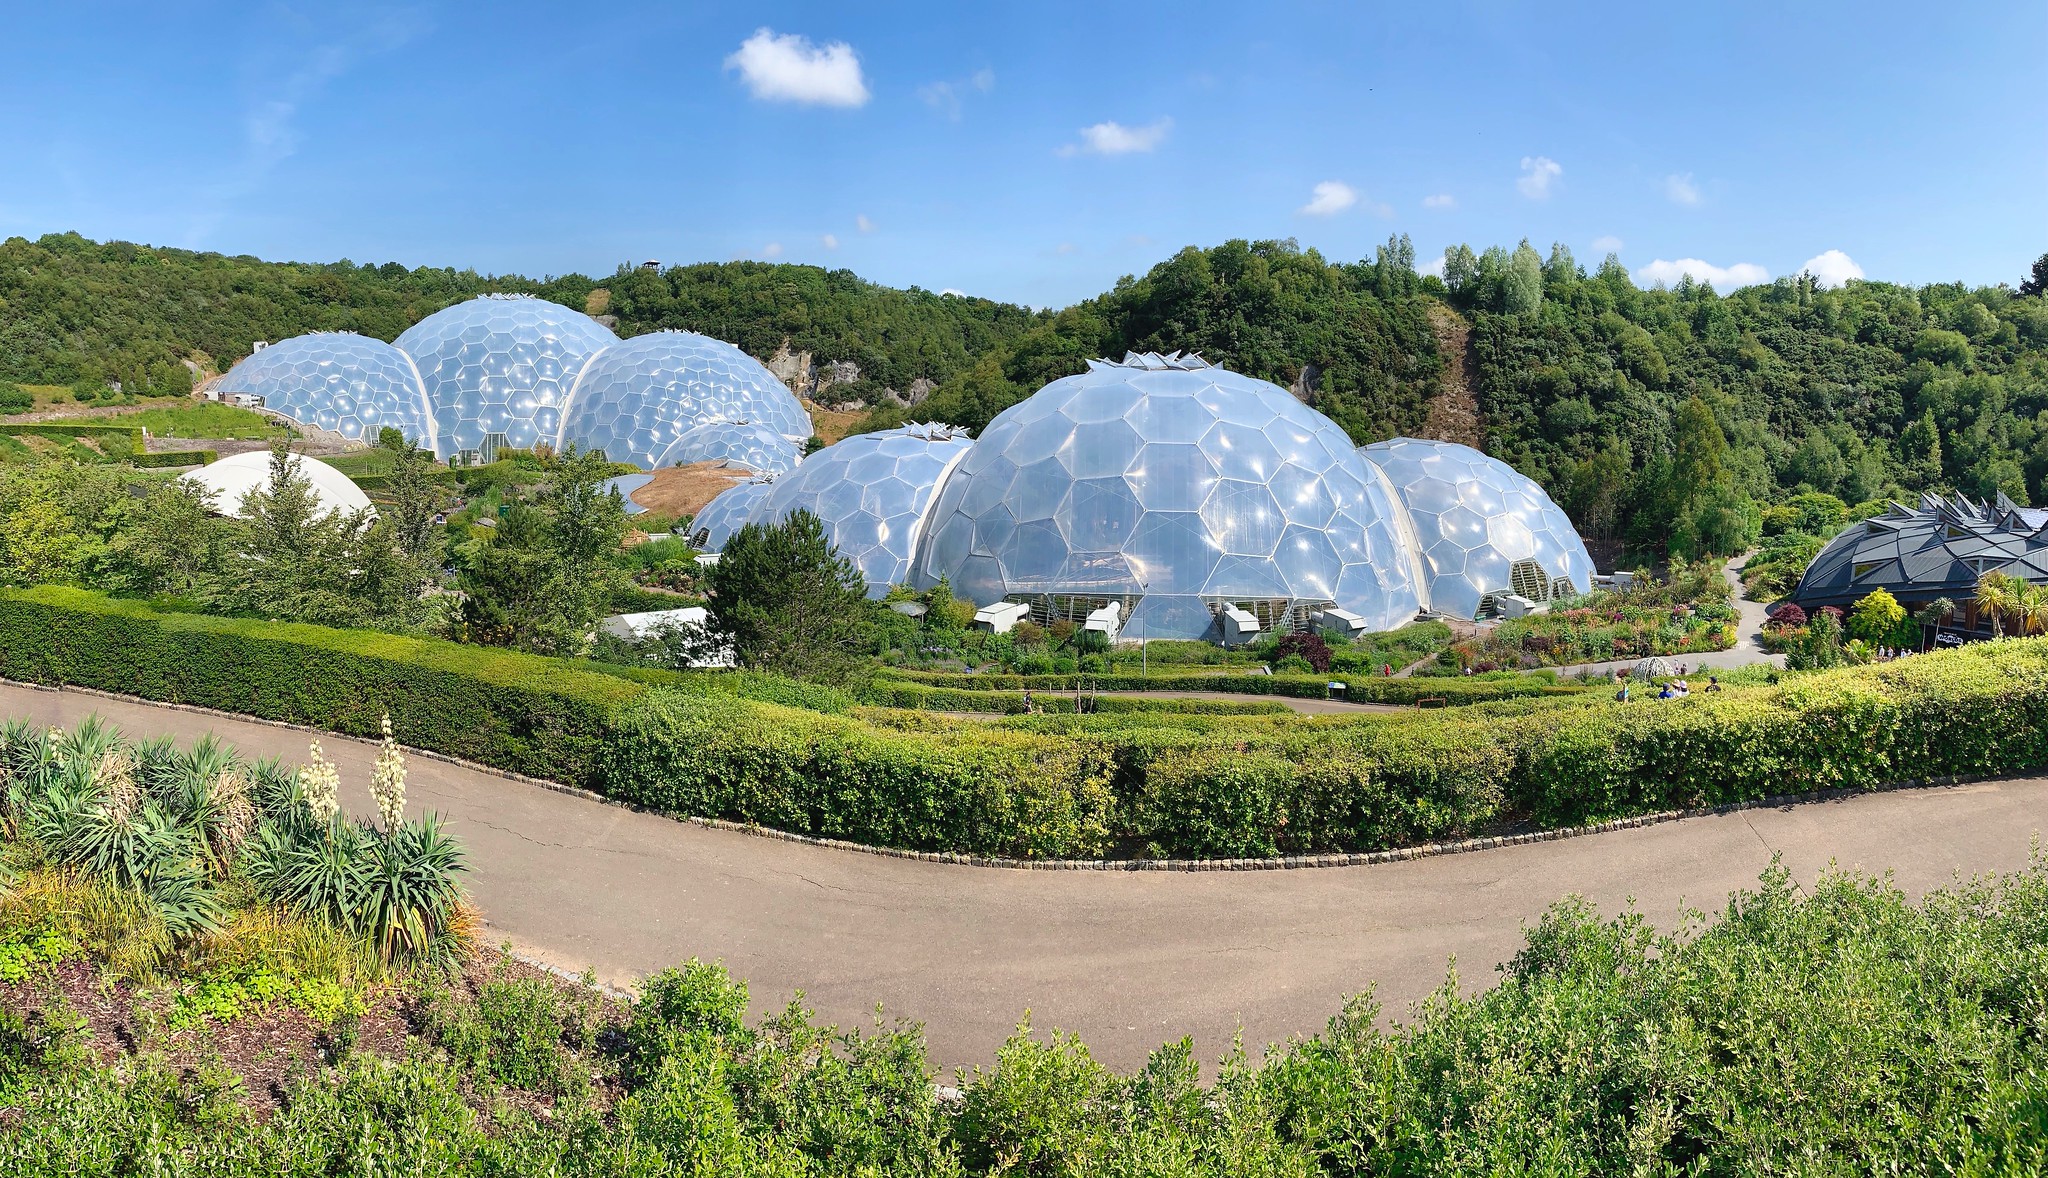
(233, 477)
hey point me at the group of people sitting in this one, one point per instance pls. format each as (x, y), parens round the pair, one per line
(1677, 688)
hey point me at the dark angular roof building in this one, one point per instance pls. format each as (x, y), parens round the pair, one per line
(1936, 550)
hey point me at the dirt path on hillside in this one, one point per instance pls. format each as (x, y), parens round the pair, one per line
(1453, 414)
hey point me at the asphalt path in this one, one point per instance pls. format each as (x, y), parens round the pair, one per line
(1128, 960)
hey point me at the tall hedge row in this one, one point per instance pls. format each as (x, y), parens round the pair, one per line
(532, 715)
(1148, 782)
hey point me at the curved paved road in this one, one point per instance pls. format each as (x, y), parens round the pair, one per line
(1127, 959)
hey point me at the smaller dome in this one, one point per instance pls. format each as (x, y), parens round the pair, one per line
(232, 478)
(739, 443)
(873, 493)
(728, 512)
(1480, 526)
(637, 397)
(337, 381)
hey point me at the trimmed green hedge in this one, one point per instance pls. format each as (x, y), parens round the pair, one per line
(1358, 688)
(919, 697)
(545, 717)
(980, 790)
(174, 458)
(1149, 781)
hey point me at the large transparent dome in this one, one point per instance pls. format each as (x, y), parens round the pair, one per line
(639, 396)
(500, 364)
(739, 443)
(872, 491)
(731, 510)
(337, 381)
(1177, 488)
(1475, 519)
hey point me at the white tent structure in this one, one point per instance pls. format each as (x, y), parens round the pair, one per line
(233, 477)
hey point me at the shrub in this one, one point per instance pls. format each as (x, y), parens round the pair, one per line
(1308, 647)
(1788, 616)
(522, 1032)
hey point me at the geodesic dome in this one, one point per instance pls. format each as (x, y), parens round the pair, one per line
(872, 492)
(637, 397)
(337, 381)
(500, 364)
(1176, 489)
(728, 512)
(1480, 526)
(740, 443)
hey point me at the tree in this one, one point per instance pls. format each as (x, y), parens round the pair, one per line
(1877, 618)
(1522, 286)
(294, 558)
(1461, 266)
(168, 542)
(415, 499)
(1933, 614)
(1997, 595)
(541, 580)
(2036, 283)
(783, 600)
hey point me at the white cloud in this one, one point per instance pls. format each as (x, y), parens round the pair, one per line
(1434, 266)
(772, 250)
(1330, 198)
(984, 79)
(1832, 268)
(1117, 139)
(956, 292)
(786, 67)
(1065, 247)
(1539, 173)
(1724, 279)
(1441, 200)
(1680, 188)
(1610, 244)
(861, 222)
(831, 242)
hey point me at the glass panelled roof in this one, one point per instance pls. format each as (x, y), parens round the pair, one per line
(638, 397)
(337, 381)
(500, 364)
(1165, 478)
(872, 492)
(1473, 517)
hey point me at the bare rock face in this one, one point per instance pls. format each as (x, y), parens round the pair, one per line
(791, 368)
(919, 390)
(1307, 384)
(838, 372)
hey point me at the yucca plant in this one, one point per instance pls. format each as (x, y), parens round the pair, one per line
(207, 787)
(398, 890)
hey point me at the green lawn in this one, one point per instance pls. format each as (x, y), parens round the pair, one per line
(205, 419)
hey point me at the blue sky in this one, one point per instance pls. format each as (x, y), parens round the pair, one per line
(1035, 153)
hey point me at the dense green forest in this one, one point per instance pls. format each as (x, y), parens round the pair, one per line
(1655, 416)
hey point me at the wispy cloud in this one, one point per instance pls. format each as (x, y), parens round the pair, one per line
(950, 98)
(1539, 176)
(1441, 200)
(1832, 268)
(270, 118)
(861, 222)
(1434, 266)
(1679, 186)
(786, 67)
(1609, 244)
(829, 241)
(772, 250)
(1330, 198)
(1724, 278)
(1117, 139)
